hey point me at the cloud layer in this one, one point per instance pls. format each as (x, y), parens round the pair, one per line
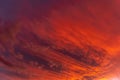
(59, 40)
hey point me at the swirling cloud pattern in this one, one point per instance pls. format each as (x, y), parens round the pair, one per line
(59, 40)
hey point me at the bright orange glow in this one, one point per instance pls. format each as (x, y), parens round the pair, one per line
(60, 40)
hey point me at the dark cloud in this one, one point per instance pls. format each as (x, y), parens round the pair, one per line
(73, 38)
(13, 73)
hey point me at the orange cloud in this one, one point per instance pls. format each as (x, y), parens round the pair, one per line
(61, 40)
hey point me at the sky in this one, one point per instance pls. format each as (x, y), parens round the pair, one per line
(59, 40)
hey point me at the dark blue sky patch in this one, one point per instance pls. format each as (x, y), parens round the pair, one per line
(9, 9)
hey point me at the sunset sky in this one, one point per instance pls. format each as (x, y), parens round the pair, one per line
(59, 39)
